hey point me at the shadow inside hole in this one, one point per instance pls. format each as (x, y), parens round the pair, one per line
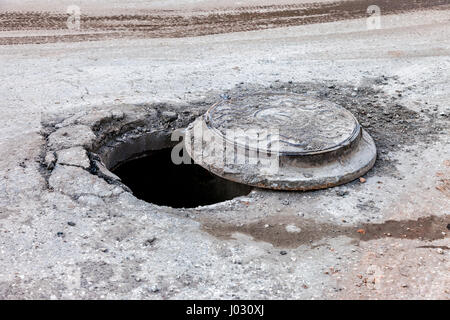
(155, 178)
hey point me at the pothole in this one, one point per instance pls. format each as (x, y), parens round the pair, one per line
(83, 145)
(153, 177)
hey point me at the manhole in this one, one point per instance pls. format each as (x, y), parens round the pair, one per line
(154, 178)
(282, 141)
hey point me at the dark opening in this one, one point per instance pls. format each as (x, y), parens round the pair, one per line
(156, 179)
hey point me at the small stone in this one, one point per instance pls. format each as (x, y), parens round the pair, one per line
(72, 224)
(283, 253)
(440, 251)
(50, 160)
(362, 180)
(60, 234)
(285, 202)
(341, 193)
(117, 114)
(169, 115)
(293, 229)
(104, 250)
(149, 242)
(154, 289)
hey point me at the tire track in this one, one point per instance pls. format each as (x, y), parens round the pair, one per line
(196, 23)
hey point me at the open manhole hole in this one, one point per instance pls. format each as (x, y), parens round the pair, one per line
(281, 141)
(153, 177)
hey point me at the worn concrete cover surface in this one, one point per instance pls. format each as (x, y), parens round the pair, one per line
(70, 98)
(281, 141)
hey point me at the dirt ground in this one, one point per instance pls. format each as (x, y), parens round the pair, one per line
(70, 232)
(182, 23)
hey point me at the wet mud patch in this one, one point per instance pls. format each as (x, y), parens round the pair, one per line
(291, 232)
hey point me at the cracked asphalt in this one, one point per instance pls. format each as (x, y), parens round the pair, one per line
(70, 230)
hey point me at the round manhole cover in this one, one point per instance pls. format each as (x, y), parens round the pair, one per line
(281, 141)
